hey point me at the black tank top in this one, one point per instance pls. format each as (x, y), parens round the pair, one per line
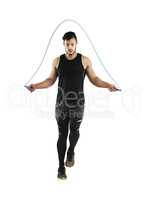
(71, 74)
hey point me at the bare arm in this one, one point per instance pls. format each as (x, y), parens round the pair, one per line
(94, 79)
(48, 81)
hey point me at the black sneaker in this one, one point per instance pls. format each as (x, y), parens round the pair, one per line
(70, 160)
(61, 173)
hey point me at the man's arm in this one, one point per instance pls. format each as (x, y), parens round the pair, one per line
(94, 79)
(48, 81)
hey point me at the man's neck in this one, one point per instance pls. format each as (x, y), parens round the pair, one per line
(71, 56)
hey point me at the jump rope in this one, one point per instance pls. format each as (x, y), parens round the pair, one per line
(92, 45)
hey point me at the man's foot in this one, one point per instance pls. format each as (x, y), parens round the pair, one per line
(61, 173)
(70, 160)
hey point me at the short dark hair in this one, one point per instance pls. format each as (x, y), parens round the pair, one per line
(69, 35)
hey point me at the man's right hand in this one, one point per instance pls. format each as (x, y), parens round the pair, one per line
(31, 87)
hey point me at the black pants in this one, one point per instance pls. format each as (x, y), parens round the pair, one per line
(68, 119)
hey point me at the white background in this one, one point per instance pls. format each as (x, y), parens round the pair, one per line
(110, 154)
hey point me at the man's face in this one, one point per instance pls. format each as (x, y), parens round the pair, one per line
(70, 46)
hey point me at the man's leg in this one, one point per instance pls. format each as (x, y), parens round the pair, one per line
(76, 116)
(62, 122)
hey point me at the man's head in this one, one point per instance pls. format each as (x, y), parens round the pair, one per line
(70, 42)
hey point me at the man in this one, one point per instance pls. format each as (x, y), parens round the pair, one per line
(70, 68)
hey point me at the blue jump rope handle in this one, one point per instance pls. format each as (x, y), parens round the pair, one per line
(119, 90)
(26, 87)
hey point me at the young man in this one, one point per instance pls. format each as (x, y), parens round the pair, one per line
(70, 68)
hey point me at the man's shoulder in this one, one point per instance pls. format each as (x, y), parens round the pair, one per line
(85, 58)
(57, 58)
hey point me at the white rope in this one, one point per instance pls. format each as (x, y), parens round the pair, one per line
(49, 42)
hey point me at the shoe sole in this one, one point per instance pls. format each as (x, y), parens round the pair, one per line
(68, 164)
(61, 178)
